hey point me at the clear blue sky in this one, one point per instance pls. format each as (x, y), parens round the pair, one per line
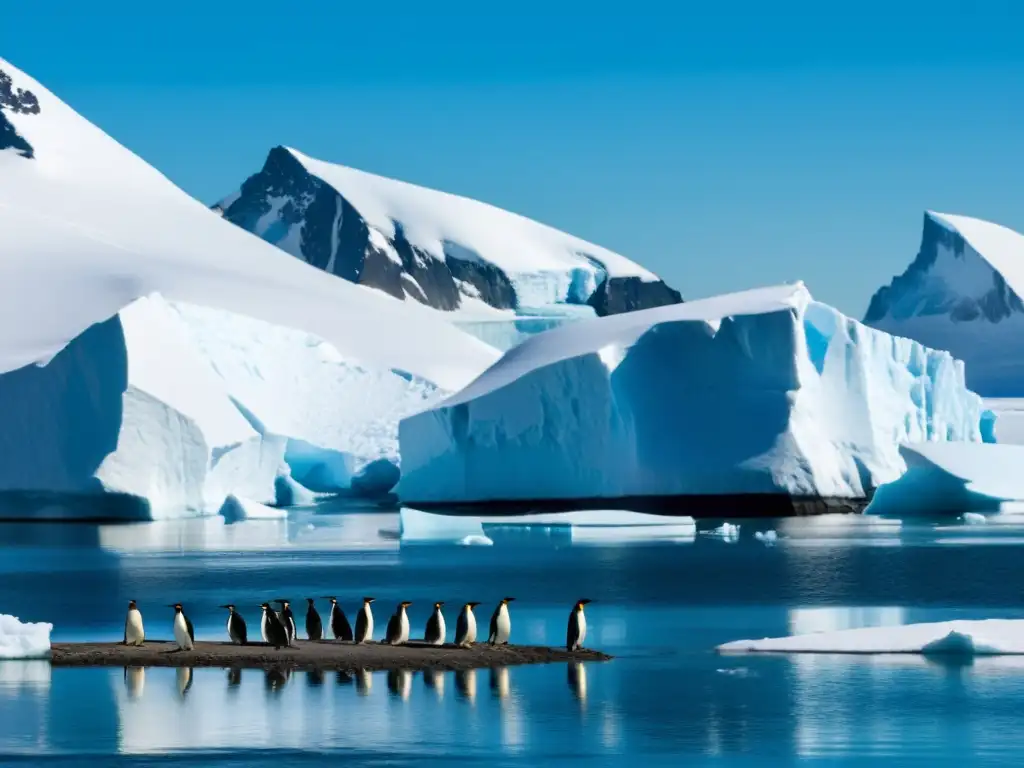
(722, 144)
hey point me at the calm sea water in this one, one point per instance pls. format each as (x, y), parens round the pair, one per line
(660, 605)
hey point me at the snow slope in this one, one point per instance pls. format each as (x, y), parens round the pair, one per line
(963, 293)
(89, 227)
(23, 641)
(764, 391)
(986, 637)
(953, 478)
(340, 419)
(130, 405)
(445, 251)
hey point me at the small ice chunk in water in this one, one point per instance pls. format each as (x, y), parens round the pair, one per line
(767, 537)
(726, 531)
(973, 518)
(23, 641)
(476, 541)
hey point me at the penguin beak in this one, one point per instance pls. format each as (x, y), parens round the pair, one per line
(585, 601)
(406, 603)
(509, 599)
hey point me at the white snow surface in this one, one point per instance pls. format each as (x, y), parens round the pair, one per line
(544, 263)
(340, 419)
(943, 307)
(23, 641)
(760, 391)
(953, 477)
(985, 637)
(89, 227)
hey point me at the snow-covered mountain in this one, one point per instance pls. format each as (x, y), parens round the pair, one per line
(448, 252)
(145, 396)
(963, 293)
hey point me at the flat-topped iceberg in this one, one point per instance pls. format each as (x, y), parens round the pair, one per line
(986, 637)
(953, 478)
(23, 640)
(759, 392)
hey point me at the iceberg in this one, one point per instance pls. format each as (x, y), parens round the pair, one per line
(235, 510)
(985, 637)
(962, 293)
(763, 392)
(97, 244)
(953, 478)
(23, 641)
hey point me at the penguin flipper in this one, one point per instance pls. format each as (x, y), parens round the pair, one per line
(243, 631)
(393, 629)
(346, 628)
(493, 636)
(191, 631)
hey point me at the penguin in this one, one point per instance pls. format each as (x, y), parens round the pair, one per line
(314, 627)
(501, 623)
(288, 619)
(134, 634)
(340, 627)
(364, 622)
(436, 630)
(277, 635)
(184, 635)
(465, 627)
(577, 630)
(238, 633)
(398, 626)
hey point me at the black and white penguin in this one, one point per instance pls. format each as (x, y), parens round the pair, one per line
(238, 633)
(184, 635)
(398, 626)
(501, 623)
(465, 627)
(364, 622)
(277, 635)
(134, 634)
(314, 627)
(577, 630)
(340, 627)
(288, 619)
(436, 630)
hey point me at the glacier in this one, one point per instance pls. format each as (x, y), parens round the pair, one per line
(23, 640)
(983, 637)
(759, 392)
(451, 253)
(962, 293)
(948, 478)
(156, 356)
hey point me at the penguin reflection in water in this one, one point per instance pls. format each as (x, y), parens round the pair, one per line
(184, 634)
(276, 633)
(134, 634)
(398, 626)
(501, 623)
(576, 632)
(237, 631)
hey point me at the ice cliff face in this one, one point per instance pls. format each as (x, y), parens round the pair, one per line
(761, 392)
(962, 293)
(447, 252)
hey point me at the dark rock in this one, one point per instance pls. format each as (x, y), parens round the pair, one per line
(21, 102)
(628, 294)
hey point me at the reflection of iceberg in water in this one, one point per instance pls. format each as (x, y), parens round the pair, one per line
(134, 682)
(804, 621)
(307, 531)
(24, 698)
(581, 527)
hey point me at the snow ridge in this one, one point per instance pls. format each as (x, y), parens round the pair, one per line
(449, 252)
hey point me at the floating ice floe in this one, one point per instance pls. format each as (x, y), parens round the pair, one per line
(945, 478)
(23, 641)
(726, 531)
(766, 537)
(965, 638)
